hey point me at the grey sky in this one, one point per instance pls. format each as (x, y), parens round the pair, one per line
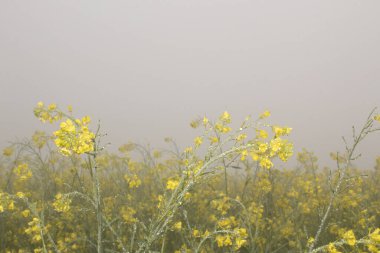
(146, 68)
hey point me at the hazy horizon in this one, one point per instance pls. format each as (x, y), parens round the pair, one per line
(147, 68)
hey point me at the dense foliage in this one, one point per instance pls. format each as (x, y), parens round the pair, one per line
(63, 192)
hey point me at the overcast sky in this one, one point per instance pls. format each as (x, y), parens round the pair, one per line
(147, 68)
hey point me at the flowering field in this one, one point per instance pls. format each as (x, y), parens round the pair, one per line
(63, 192)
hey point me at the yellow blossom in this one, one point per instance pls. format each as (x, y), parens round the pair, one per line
(23, 171)
(52, 107)
(74, 137)
(25, 213)
(349, 237)
(198, 141)
(8, 151)
(177, 226)
(265, 114)
(331, 248)
(172, 184)
(205, 121)
(225, 117)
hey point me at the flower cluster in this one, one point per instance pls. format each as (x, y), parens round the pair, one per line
(74, 137)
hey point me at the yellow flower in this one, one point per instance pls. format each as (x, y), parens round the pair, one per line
(25, 213)
(265, 114)
(188, 150)
(196, 233)
(280, 131)
(39, 139)
(20, 195)
(254, 156)
(74, 137)
(331, 248)
(205, 121)
(243, 154)
(11, 205)
(375, 236)
(223, 240)
(52, 107)
(265, 162)
(213, 139)
(262, 147)
(225, 117)
(221, 128)
(128, 214)
(23, 172)
(198, 141)
(8, 151)
(133, 180)
(61, 203)
(262, 134)
(172, 184)
(239, 242)
(241, 137)
(349, 237)
(177, 226)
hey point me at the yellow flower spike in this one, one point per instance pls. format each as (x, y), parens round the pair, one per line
(239, 242)
(241, 137)
(133, 181)
(262, 147)
(254, 156)
(225, 117)
(375, 236)
(188, 150)
(61, 204)
(265, 114)
(25, 213)
(128, 214)
(275, 144)
(213, 139)
(262, 134)
(71, 138)
(205, 121)
(243, 155)
(227, 240)
(219, 240)
(198, 141)
(8, 151)
(196, 233)
(23, 172)
(86, 120)
(206, 233)
(52, 107)
(177, 226)
(194, 124)
(265, 162)
(331, 248)
(11, 205)
(280, 131)
(172, 184)
(20, 195)
(349, 237)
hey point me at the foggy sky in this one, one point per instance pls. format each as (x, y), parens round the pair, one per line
(147, 68)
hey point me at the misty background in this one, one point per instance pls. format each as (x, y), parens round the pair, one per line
(147, 68)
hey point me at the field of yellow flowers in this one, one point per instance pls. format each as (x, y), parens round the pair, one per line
(63, 192)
